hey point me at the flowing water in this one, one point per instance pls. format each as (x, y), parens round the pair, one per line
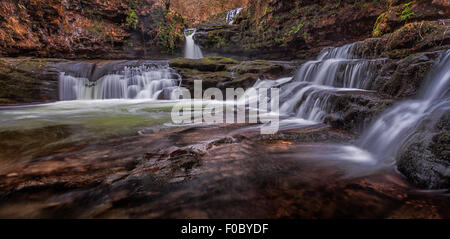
(231, 15)
(122, 101)
(125, 114)
(135, 98)
(335, 71)
(191, 50)
(392, 129)
(136, 82)
(29, 131)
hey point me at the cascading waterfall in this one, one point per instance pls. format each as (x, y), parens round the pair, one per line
(141, 82)
(339, 67)
(392, 129)
(191, 50)
(334, 70)
(231, 15)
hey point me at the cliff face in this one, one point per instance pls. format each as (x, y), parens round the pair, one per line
(300, 29)
(89, 28)
(197, 11)
(275, 29)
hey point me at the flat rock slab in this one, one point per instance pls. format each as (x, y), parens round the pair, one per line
(224, 171)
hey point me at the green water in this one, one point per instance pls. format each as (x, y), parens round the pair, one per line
(31, 131)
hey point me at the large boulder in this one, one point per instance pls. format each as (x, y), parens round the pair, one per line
(425, 159)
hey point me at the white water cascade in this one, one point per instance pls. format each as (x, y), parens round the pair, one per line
(393, 128)
(141, 82)
(231, 15)
(335, 71)
(191, 50)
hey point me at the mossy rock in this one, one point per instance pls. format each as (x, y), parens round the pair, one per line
(258, 67)
(400, 13)
(410, 38)
(211, 64)
(407, 75)
(242, 81)
(209, 79)
(24, 81)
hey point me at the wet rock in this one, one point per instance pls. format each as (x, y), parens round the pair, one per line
(403, 78)
(354, 111)
(28, 80)
(37, 142)
(206, 173)
(95, 69)
(222, 72)
(258, 67)
(425, 159)
(245, 81)
(211, 64)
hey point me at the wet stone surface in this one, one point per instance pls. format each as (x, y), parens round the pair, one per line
(188, 173)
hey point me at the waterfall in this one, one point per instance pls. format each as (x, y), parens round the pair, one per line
(393, 128)
(339, 67)
(140, 82)
(231, 15)
(191, 50)
(335, 70)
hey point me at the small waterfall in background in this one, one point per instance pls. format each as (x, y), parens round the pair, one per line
(191, 50)
(335, 70)
(139, 82)
(392, 129)
(231, 15)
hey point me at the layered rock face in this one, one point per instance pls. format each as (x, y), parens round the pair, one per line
(198, 11)
(154, 28)
(89, 28)
(222, 72)
(28, 80)
(298, 30)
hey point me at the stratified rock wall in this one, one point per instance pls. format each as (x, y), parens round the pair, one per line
(275, 29)
(89, 28)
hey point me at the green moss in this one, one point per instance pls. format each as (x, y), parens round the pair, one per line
(407, 13)
(171, 32)
(220, 60)
(381, 21)
(132, 19)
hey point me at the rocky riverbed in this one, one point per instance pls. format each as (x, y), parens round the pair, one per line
(186, 173)
(87, 88)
